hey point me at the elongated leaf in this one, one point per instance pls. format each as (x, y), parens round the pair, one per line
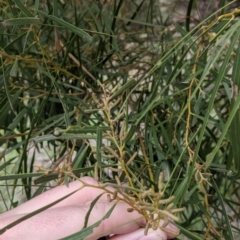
(21, 21)
(90, 210)
(225, 214)
(188, 233)
(33, 213)
(98, 148)
(235, 125)
(21, 6)
(87, 231)
(67, 25)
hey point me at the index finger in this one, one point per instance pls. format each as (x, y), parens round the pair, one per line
(85, 194)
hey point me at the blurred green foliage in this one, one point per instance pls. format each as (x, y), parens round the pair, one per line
(124, 88)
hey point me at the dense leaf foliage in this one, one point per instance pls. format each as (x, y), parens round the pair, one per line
(125, 90)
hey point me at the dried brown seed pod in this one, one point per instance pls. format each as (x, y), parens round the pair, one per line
(130, 209)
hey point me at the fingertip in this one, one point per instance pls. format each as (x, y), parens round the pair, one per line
(171, 231)
(139, 235)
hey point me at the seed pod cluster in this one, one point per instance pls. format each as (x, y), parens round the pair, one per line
(157, 207)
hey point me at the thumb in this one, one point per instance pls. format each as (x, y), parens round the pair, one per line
(139, 235)
(158, 234)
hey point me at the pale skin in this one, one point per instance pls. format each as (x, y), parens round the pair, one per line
(67, 217)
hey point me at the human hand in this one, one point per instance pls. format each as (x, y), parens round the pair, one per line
(67, 217)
